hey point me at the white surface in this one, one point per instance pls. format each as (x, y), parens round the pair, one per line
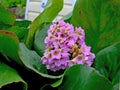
(34, 8)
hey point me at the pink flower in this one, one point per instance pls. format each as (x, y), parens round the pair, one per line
(56, 54)
(65, 46)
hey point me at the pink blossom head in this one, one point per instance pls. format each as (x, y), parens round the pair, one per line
(65, 46)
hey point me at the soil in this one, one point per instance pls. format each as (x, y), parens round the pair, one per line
(14, 10)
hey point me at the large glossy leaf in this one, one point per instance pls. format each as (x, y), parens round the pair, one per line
(32, 61)
(85, 78)
(51, 11)
(101, 21)
(82, 77)
(6, 16)
(10, 76)
(108, 62)
(39, 44)
(9, 45)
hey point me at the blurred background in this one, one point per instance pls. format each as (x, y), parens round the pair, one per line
(16, 6)
(30, 9)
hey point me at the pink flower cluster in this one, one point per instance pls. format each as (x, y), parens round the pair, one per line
(65, 46)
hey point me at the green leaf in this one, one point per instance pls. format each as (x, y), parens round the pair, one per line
(101, 21)
(81, 77)
(9, 76)
(40, 36)
(22, 23)
(107, 61)
(57, 83)
(116, 86)
(32, 61)
(6, 16)
(10, 3)
(20, 28)
(21, 32)
(9, 45)
(51, 11)
(4, 26)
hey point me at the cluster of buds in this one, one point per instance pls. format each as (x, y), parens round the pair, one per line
(65, 46)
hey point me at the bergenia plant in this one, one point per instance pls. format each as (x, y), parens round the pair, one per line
(80, 52)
